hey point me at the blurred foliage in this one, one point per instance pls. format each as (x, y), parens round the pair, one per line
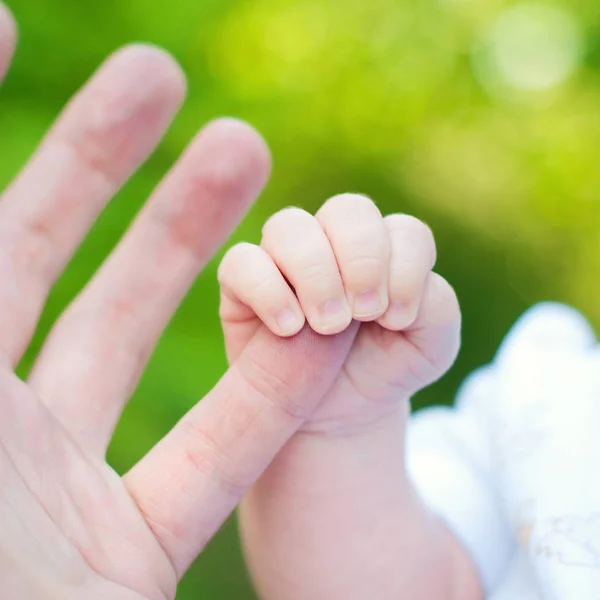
(481, 117)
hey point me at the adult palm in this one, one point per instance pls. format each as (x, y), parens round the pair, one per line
(70, 527)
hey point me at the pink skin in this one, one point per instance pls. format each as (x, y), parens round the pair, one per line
(70, 527)
(334, 516)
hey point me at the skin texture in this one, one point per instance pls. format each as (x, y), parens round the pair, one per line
(70, 527)
(334, 516)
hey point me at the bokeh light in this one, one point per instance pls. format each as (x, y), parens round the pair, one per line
(530, 47)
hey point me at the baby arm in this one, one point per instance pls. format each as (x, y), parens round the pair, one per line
(335, 516)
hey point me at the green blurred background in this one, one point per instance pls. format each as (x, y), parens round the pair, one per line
(481, 117)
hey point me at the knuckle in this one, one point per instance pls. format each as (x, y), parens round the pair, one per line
(235, 258)
(362, 266)
(35, 249)
(284, 218)
(241, 250)
(119, 312)
(208, 458)
(99, 323)
(263, 289)
(224, 182)
(220, 178)
(410, 231)
(273, 388)
(308, 259)
(94, 150)
(103, 137)
(409, 226)
(310, 272)
(346, 201)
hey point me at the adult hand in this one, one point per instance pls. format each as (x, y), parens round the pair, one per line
(70, 527)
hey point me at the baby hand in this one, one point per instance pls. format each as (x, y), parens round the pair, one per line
(348, 263)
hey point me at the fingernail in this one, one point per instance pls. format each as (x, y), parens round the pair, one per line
(288, 321)
(367, 304)
(399, 316)
(334, 314)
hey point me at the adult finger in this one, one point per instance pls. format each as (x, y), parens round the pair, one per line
(103, 135)
(94, 356)
(192, 480)
(7, 39)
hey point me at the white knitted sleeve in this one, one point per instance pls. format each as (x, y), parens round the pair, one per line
(513, 469)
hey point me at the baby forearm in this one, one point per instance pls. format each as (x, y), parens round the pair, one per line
(335, 518)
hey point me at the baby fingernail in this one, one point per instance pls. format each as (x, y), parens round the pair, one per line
(334, 314)
(399, 316)
(288, 321)
(367, 304)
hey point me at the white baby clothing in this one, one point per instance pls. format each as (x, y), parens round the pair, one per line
(514, 468)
